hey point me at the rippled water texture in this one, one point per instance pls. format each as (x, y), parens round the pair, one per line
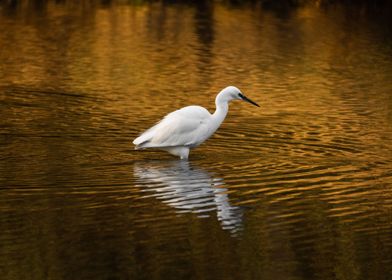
(300, 188)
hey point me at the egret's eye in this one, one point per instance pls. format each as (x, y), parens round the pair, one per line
(240, 95)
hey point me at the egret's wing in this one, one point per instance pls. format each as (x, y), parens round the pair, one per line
(185, 127)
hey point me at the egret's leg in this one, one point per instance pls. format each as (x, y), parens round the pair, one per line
(182, 152)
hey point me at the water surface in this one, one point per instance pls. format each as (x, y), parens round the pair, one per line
(300, 188)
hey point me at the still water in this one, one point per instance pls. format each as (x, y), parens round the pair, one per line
(300, 188)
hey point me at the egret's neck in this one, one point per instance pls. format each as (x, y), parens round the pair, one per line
(222, 106)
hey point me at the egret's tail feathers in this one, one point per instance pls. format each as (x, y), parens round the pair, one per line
(142, 141)
(138, 141)
(141, 145)
(144, 138)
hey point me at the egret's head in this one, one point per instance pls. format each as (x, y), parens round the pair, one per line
(233, 93)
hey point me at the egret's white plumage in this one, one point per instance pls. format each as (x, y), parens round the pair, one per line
(188, 127)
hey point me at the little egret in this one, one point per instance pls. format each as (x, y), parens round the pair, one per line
(187, 128)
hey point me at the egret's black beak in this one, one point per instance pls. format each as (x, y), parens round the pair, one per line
(248, 100)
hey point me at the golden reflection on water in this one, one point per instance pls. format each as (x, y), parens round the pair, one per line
(299, 189)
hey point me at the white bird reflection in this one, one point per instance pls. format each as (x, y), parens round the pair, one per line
(189, 189)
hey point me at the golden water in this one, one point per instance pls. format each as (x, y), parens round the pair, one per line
(300, 188)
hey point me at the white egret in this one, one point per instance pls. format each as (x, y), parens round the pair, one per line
(187, 128)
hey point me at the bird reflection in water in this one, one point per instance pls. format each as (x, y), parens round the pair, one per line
(189, 189)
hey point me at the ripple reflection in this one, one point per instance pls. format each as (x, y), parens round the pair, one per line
(188, 189)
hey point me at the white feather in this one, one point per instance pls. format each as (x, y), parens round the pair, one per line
(188, 127)
(185, 127)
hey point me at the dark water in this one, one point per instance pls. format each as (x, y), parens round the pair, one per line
(298, 189)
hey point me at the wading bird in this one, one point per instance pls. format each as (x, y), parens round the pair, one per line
(187, 128)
